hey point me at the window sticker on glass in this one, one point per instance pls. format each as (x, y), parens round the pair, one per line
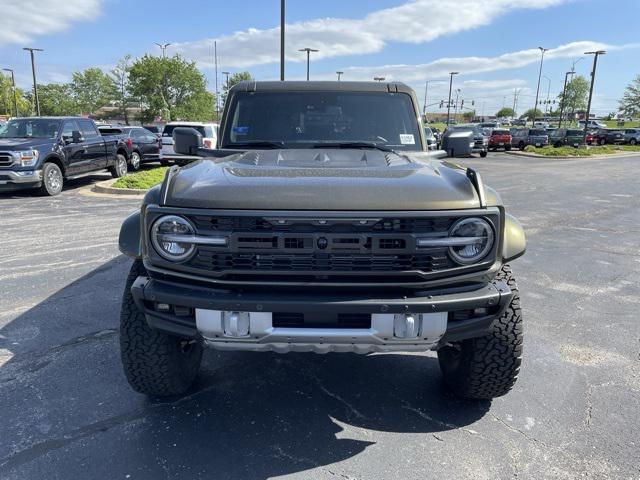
(241, 130)
(407, 139)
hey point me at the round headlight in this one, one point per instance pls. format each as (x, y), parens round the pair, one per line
(165, 237)
(478, 234)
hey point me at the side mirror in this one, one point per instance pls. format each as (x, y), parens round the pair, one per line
(186, 140)
(76, 137)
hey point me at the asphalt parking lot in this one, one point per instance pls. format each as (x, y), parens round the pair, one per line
(67, 411)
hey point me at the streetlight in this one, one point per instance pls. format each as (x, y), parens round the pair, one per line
(449, 102)
(33, 71)
(455, 105)
(282, 9)
(564, 96)
(573, 71)
(308, 50)
(593, 79)
(339, 75)
(163, 47)
(15, 95)
(378, 79)
(535, 106)
(548, 90)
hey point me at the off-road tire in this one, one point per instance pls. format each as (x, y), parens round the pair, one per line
(488, 366)
(120, 168)
(155, 364)
(483, 154)
(52, 180)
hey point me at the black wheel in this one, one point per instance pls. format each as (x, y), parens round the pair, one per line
(507, 149)
(52, 179)
(483, 153)
(135, 161)
(633, 141)
(120, 168)
(487, 367)
(521, 146)
(165, 163)
(557, 144)
(602, 141)
(155, 363)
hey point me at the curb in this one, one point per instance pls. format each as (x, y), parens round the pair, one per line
(575, 157)
(106, 188)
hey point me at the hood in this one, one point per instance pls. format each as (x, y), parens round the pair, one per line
(23, 143)
(322, 179)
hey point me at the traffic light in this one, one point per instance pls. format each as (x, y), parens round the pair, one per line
(441, 103)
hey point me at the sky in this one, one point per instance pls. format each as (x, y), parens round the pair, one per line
(492, 43)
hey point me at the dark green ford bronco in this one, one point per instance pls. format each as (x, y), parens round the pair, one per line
(321, 223)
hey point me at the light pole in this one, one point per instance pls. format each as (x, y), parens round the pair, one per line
(593, 80)
(535, 106)
(33, 71)
(339, 75)
(308, 50)
(15, 94)
(426, 89)
(573, 71)
(378, 79)
(215, 62)
(226, 74)
(449, 102)
(455, 107)
(282, 9)
(564, 97)
(546, 109)
(163, 47)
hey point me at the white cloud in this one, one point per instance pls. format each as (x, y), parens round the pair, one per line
(23, 20)
(416, 21)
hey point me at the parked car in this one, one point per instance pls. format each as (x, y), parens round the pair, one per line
(209, 132)
(312, 238)
(142, 145)
(490, 125)
(43, 152)
(519, 122)
(438, 135)
(155, 129)
(604, 136)
(481, 141)
(592, 124)
(432, 143)
(523, 137)
(541, 124)
(563, 137)
(500, 138)
(632, 136)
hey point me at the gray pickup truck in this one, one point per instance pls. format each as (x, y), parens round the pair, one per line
(42, 152)
(321, 224)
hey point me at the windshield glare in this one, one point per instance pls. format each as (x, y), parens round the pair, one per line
(304, 119)
(31, 128)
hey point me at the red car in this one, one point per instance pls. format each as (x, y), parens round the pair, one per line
(500, 139)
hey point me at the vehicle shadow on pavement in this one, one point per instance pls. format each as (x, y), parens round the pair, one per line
(69, 412)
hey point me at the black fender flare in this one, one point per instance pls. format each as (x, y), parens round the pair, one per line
(129, 241)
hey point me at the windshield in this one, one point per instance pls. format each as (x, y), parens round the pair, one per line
(575, 133)
(537, 132)
(168, 129)
(305, 119)
(31, 128)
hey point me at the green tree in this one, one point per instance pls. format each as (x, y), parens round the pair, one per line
(56, 99)
(233, 80)
(575, 96)
(532, 114)
(171, 88)
(92, 89)
(630, 102)
(119, 77)
(7, 99)
(505, 112)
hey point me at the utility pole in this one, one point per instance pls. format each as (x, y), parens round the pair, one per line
(15, 94)
(426, 89)
(515, 102)
(564, 97)
(449, 102)
(593, 80)
(339, 75)
(546, 109)
(573, 104)
(535, 106)
(308, 50)
(282, 9)
(455, 108)
(215, 60)
(33, 71)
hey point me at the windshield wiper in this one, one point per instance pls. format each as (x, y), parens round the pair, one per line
(256, 144)
(354, 145)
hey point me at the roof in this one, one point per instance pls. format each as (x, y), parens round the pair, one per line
(71, 117)
(291, 86)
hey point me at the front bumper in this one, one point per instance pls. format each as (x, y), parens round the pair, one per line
(198, 316)
(11, 180)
